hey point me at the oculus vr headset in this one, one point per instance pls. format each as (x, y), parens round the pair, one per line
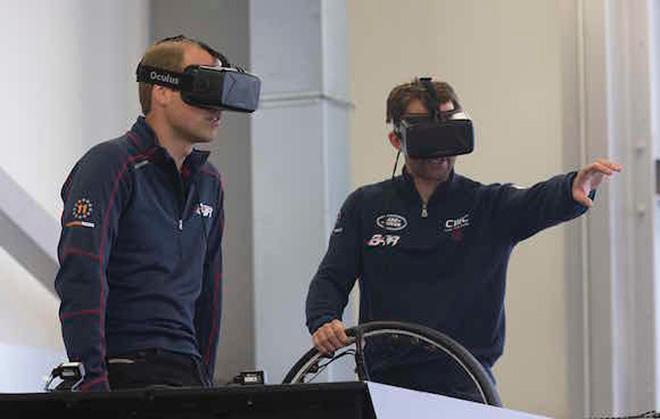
(438, 134)
(223, 88)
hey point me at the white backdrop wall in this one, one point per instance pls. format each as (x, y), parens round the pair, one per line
(504, 59)
(67, 82)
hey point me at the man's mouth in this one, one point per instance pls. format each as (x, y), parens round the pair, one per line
(215, 119)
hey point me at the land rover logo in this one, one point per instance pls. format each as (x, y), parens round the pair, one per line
(391, 222)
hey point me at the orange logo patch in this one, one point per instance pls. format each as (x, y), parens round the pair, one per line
(82, 209)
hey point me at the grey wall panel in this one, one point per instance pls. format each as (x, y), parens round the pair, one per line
(225, 26)
(28, 232)
(288, 229)
(300, 163)
(292, 29)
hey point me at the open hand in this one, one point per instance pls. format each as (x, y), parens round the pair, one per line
(590, 177)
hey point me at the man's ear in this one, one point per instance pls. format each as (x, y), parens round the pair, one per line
(394, 140)
(160, 95)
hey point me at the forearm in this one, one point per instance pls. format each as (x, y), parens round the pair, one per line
(327, 297)
(548, 203)
(82, 316)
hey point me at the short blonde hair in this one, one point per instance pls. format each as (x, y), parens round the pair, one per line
(168, 54)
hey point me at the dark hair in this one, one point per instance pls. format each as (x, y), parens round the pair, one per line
(168, 54)
(401, 96)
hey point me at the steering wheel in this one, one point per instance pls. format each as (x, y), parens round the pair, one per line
(312, 363)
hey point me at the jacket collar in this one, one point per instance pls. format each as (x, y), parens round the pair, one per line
(406, 184)
(144, 138)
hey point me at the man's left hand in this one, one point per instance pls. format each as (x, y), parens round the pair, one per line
(590, 177)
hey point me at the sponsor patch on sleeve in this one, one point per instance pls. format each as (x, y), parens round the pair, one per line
(338, 227)
(82, 211)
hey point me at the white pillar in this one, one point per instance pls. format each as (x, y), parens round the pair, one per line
(300, 171)
(619, 112)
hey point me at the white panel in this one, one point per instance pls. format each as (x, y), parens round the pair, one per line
(299, 164)
(335, 45)
(618, 125)
(336, 165)
(289, 229)
(28, 369)
(286, 40)
(28, 311)
(67, 83)
(654, 17)
(393, 403)
(30, 340)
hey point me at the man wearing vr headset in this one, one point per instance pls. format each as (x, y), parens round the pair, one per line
(140, 251)
(431, 247)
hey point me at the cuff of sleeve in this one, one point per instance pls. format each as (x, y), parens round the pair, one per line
(95, 384)
(579, 208)
(312, 325)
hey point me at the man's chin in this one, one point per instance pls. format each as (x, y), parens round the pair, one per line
(205, 138)
(436, 176)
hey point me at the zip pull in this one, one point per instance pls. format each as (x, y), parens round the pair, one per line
(180, 225)
(425, 212)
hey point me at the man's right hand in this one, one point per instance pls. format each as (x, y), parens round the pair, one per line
(330, 337)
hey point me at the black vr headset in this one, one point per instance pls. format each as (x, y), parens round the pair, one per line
(222, 88)
(435, 135)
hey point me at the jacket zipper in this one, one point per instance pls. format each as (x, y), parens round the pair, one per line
(181, 199)
(180, 203)
(425, 212)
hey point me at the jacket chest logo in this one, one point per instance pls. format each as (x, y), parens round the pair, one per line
(391, 222)
(204, 210)
(383, 240)
(456, 223)
(455, 226)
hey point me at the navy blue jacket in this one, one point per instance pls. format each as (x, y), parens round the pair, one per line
(441, 265)
(140, 254)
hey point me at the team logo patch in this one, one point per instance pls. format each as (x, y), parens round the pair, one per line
(204, 210)
(80, 224)
(457, 223)
(383, 240)
(82, 210)
(455, 226)
(391, 222)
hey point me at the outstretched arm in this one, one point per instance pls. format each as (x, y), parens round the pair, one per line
(521, 212)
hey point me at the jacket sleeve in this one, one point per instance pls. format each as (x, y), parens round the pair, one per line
(93, 195)
(208, 307)
(522, 212)
(340, 267)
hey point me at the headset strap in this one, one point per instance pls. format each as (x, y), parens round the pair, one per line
(433, 103)
(171, 79)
